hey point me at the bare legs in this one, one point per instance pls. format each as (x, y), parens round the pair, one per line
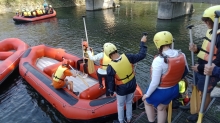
(161, 112)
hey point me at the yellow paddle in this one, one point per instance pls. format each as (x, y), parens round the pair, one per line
(193, 100)
(215, 28)
(91, 67)
(169, 115)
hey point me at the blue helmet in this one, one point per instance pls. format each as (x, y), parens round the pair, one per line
(45, 4)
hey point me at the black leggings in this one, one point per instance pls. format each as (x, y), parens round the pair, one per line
(85, 66)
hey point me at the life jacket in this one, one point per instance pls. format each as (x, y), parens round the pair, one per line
(27, 14)
(86, 54)
(33, 13)
(123, 69)
(205, 49)
(43, 11)
(182, 86)
(58, 76)
(176, 68)
(39, 12)
(104, 61)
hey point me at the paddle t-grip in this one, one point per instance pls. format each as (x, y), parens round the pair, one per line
(190, 26)
(145, 33)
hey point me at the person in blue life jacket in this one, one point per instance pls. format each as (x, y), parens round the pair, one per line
(103, 62)
(203, 55)
(121, 78)
(167, 70)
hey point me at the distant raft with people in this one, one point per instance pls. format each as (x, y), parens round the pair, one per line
(35, 15)
(11, 50)
(37, 66)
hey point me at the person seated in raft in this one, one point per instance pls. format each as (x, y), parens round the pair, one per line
(58, 78)
(17, 12)
(39, 11)
(50, 10)
(69, 86)
(84, 59)
(22, 11)
(28, 14)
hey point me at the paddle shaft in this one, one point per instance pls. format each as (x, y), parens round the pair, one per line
(192, 53)
(85, 30)
(214, 34)
(83, 51)
(78, 75)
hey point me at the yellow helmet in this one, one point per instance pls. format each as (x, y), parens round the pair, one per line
(163, 38)
(210, 12)
(109, 48)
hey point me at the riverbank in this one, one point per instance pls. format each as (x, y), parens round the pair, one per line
(11, 5)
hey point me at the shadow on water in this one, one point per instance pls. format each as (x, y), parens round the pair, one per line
(48, 20)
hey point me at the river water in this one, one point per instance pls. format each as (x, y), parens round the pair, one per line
(20, 103)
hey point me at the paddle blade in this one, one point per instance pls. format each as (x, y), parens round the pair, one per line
(91, 67)
(200, 118)
(169, 112)
(194, 102)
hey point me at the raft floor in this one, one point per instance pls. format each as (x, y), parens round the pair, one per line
(79, 84)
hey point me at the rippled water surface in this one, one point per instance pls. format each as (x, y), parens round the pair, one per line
(123, 26)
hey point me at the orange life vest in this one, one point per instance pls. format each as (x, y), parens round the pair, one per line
(176, 68)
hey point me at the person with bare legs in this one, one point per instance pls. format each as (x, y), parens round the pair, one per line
(167, 69)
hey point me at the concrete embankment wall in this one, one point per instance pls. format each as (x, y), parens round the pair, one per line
(12, 5)
(169, 10)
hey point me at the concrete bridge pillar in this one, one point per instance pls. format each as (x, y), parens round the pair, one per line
(98, 4)
(169, 10)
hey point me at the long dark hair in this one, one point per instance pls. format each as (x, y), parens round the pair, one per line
(161, 52)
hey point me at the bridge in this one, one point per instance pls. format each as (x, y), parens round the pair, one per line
(192, 1)
(167, 9)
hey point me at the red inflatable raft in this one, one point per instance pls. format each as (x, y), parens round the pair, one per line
(11, 50)
(19, 18)
(36, 67)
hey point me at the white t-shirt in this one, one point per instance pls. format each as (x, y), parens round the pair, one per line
(159, 67)
(97, 57)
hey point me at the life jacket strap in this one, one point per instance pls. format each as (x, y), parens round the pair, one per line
(206, 51)
(206, 39)
(57, 78)
(127, 77)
